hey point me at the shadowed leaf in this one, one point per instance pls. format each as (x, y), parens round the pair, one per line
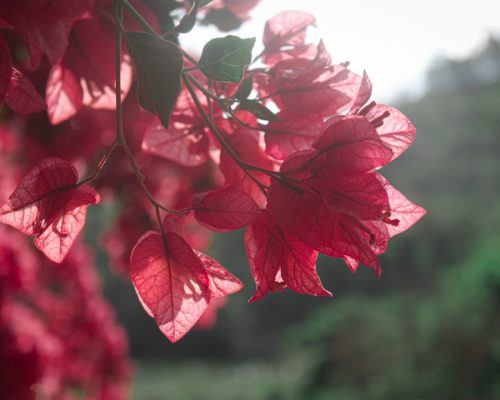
(158, 66)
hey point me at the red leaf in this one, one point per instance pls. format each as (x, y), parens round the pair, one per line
(246, 144)
(288, 28)
(352, 263)
(314, 98)
(224, 210)
(308, 219)
(351, 145)
(324, 211)
(299, 268)
(179, 143)
(220, 281)
(92, 53)
(403, 213)
(63, 94)
(396, 131)
(5, 68)
(86, 74)
(362, 196)
(22, 97)
(58, 238)
(44, 25)
(315, 86)
(364, 93)
(292, 133)
(264, 251)
(170, 281)
(278, 260)
(47, 205)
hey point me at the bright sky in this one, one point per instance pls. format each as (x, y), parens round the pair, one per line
(393, 40)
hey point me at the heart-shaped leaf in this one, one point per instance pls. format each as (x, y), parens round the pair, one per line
(223, 59)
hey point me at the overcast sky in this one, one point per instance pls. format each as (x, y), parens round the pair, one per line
(393, 40)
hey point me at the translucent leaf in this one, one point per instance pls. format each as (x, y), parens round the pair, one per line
(48, 205)
(22, 97)
(225, 209)
(223, 59)
(170, 281)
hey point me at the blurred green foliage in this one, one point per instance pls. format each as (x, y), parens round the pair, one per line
(441, 344)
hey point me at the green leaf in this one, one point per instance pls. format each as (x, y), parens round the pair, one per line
(158, 65)
(188, 21)
(258, 109)
(244, 89)
(223, 59)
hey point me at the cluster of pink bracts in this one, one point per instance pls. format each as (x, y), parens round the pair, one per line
(295, 162)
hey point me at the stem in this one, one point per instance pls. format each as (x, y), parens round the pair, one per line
(190, 58)
(209, 101)
(139, 18)
(221, 139)
(119, 110)
(118, 72)
(160, 223)
(100, 166)
(206, 92)
(148, 28)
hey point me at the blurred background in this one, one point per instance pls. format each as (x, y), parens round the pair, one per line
(430, 328)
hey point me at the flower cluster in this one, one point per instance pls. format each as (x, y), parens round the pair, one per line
(285, 143)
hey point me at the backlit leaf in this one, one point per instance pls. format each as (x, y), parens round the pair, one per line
(395, 130)
(63, 94)
(170, 281)
(225, 209)
(223, 59)
(48, 205)
(22, 97)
